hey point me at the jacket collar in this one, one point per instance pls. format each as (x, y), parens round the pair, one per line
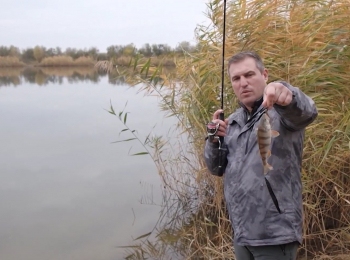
(256, 106)
(240, 116)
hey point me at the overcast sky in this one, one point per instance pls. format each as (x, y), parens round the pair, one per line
(99, 23)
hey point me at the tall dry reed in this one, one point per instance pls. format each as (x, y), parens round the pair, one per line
(307, 44)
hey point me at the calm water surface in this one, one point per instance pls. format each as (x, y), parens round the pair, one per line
(66, 192)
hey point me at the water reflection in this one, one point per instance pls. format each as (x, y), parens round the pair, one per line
(66, 192)
(47, 75)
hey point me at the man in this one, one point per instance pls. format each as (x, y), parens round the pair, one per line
(265, 210)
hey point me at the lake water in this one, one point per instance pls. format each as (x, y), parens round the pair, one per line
(67, 192)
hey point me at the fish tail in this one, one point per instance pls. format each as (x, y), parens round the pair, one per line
(267, 167)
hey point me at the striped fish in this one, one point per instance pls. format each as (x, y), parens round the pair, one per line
(264, 135)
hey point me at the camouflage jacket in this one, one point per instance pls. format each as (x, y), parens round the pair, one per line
(265, 209)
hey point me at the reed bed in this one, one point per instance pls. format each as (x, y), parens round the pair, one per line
(162, 61)
(307, 44)
(303, 42)
(10, 62)
(66, 61)
(123, 61)
(126, 61)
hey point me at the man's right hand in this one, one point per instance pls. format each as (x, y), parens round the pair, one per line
(222, 124)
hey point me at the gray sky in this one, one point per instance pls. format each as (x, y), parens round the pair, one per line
(99, 23)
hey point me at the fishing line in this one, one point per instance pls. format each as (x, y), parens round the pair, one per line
(223, 58)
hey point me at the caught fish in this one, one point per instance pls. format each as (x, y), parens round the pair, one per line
(264, 140)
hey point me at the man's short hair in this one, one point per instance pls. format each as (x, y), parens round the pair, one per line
(245, 54)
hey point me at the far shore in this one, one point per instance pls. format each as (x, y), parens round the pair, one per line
(57, 61)
(84, 61)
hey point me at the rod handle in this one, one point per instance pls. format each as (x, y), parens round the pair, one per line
(221, 150)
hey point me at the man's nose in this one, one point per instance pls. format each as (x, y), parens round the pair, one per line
(243, 82)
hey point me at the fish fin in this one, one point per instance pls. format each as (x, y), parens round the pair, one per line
(267, 168)
(274, 133)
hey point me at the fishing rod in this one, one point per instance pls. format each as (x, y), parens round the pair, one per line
(212, 127)
(222, 149)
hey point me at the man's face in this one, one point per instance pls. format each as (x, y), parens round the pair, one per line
(247, 81)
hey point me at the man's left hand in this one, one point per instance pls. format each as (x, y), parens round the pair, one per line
(277, 93)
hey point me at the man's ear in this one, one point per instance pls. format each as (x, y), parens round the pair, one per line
(266, 74)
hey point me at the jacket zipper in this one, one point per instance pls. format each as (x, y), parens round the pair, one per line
(273, 196)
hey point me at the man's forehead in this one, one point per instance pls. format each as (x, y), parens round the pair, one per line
(246, 65)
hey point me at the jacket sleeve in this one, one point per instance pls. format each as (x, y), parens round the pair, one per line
(211, 157)
(300, 112)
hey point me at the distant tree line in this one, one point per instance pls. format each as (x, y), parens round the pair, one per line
(38, 53)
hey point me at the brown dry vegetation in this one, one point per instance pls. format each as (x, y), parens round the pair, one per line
(165, 61)
(10, 62)
(307, 44)
(162, 61)
(66, 61)
(303, 42)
